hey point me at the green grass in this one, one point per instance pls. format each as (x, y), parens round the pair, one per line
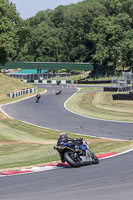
(8, 85)
(23, 145)
(101, 105)
(104, 78)
(91, 88)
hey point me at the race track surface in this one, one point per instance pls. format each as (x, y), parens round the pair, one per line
(50, 113)
(110, 180)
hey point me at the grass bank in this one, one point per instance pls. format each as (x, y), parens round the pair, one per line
(101, 105)
(8, 85)
(91, 88)
(26, 145)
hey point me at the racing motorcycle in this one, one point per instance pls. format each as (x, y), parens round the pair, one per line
(58, 92)
(37, 100)
(38, 96)
(76, 153)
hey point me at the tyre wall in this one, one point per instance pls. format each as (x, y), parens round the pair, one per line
(127, 97)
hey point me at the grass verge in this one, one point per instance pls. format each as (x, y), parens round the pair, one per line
(91, 88)
(101, 105)
(23, 145)
(9, 84)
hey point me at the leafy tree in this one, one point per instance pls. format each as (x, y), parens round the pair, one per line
(100, 31)
(10, 31)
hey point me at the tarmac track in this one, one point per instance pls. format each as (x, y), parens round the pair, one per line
(50, 113)
(110, 180)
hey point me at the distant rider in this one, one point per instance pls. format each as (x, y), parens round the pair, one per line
(38, 96)
(58, 91)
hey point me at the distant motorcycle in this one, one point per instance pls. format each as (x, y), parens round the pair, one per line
(58, 92)
(38, 96)
(76, 153)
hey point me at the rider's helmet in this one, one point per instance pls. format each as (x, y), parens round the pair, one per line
(38, 96)
(63, 137)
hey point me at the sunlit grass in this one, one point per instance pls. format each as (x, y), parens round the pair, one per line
(101, 105)
(26, 145)
(8, 85)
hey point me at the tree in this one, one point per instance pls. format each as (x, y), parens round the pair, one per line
(9, 21)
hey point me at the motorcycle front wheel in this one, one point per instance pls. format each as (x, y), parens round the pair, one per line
(69, 157)
(37, 100)
(95, 159)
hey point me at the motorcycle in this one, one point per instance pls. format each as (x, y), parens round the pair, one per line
(38, 96)
(37, 100)
(58, 92)
(76, 153)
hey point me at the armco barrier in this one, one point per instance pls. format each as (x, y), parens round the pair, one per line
(48, 81)
(21, 92)
(68, 81)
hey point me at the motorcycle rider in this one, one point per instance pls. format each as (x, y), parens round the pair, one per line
(63, 138)
(38, 96)
(58, 91)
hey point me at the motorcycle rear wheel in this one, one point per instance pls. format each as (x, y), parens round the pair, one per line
(72, 162)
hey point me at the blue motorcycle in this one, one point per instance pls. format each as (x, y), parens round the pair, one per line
(76, 153)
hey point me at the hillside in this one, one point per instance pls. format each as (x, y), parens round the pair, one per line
(8, 85)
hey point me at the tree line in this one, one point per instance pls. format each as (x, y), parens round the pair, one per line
(97, 31)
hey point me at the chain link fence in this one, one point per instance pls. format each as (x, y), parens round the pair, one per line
(42, 76)
(124, 83)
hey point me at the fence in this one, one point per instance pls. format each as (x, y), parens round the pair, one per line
(120, 84)
(42, 76)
